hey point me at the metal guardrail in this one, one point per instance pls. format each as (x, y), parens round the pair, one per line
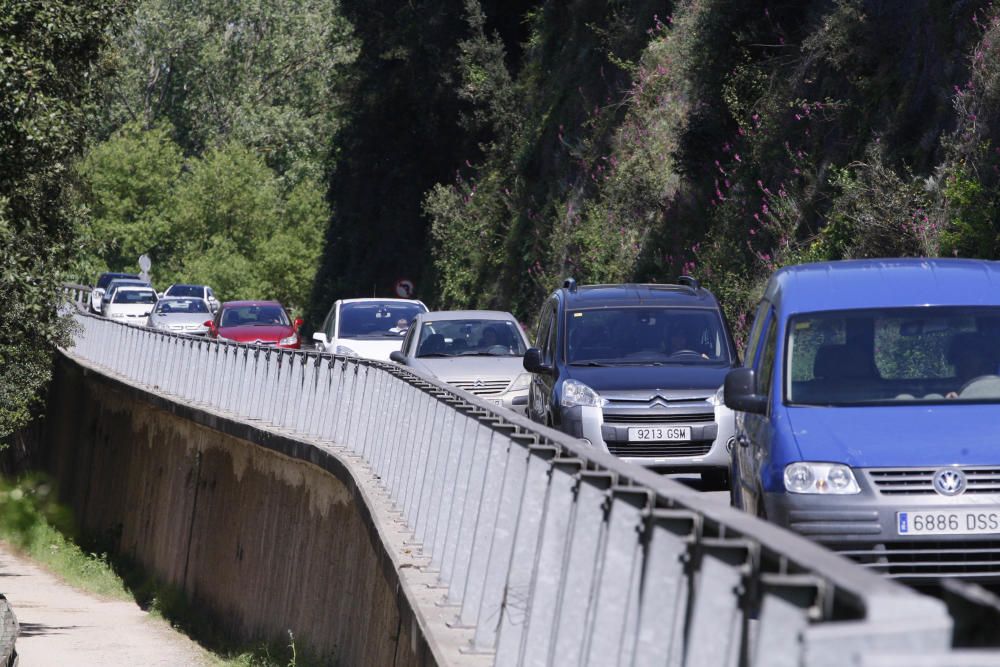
(553, 552)
(9, 630)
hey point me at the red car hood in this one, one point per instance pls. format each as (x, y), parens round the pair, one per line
(253, 334)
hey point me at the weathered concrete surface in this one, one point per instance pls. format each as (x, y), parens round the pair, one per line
(270, 537)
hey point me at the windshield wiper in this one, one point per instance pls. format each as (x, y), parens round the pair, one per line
(484, 354)
(433, 354)
(639, 362)
(588, 363)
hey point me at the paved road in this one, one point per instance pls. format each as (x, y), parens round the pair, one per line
(61, 625)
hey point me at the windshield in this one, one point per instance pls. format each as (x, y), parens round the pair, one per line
(106, 278)
(894, 355)
(135, 296)
(377, 319)
(186, 290)
(246, 316)
(167, 306)
(459, 338)
(644, 336)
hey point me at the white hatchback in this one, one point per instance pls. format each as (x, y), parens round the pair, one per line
(131, 304)
(370, 328)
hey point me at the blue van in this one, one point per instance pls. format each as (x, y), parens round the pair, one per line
(868, 412)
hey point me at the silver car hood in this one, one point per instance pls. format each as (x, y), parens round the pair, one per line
(179, 318)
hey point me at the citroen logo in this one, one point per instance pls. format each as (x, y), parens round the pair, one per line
(478, 383)
(949, 482)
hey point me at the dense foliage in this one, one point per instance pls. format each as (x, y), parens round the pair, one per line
(726, 139)
(215, 131)
(47, 54)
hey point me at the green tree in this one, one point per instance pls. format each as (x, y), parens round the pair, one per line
(261, 73)
(129, 181)
(48, 50)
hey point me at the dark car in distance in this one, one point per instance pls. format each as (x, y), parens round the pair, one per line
(637, 370)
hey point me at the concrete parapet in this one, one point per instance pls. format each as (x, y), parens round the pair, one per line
(267, 533)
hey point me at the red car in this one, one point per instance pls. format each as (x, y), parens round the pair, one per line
(255, 322)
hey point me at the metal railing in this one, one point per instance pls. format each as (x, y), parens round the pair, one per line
(550, 551)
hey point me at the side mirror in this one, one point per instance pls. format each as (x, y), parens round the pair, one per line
(320, 337)
(298, 323)
(211, 326)
(740, 392)
(398, 357)
(533, 362)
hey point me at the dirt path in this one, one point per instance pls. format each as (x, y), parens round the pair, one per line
(61, 625)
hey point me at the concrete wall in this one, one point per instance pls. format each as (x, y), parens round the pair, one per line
(267, 533)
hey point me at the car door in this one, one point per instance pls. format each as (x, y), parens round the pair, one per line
(540, 390)
(742, 478)
(758, 427)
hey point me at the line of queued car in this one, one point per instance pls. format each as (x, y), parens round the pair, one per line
(193, 310)
(863, 413)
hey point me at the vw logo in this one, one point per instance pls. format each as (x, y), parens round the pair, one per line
(949, 482)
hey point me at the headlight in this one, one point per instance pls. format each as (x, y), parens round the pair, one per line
(522, 381)
(716, 399)
(345, 351)
(822, 478)
(576, 393)
(289, 340)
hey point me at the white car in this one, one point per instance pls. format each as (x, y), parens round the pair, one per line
(480, 351)
(103, 281)
(370, 328)
(131, 304)
(197, 291)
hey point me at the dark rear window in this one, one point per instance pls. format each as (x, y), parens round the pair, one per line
(106, 278)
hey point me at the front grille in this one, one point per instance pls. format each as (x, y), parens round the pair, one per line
(483, 388)
(920, 481)
(928, 559)
(645, 417)
(660, 449)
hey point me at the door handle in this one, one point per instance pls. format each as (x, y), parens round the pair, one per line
(743, 440)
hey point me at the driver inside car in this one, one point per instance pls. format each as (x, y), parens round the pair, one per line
(970, 356)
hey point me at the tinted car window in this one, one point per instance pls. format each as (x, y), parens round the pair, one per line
(106, 278)
(454, 338)
(893, 355)
(135, 296)
(374, 319)
(181, 306)
(242, 316)
(186, 290)
(646, 335)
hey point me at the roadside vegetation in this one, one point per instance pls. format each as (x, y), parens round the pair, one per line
(34, 524)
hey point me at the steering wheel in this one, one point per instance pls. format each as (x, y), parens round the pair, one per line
(982, 386)
(685, 352)
(497, 349)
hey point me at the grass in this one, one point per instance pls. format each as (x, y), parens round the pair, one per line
(37, 526)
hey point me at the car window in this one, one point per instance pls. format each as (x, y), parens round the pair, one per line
(753, 340)
(646, 335)
(186, 290)
(376, 319)
(245, 316)
(407, 342)
(134, 296)
(767, 355)
(330, 326)
(471, 337)
(187, 306)
(931, 353)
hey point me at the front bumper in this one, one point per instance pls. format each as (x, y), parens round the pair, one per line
(866, 528)
(712, 436)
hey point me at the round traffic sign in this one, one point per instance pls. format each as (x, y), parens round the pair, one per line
(404, 288)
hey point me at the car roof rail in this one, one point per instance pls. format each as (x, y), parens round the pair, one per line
(570, 284)
(689, 281)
